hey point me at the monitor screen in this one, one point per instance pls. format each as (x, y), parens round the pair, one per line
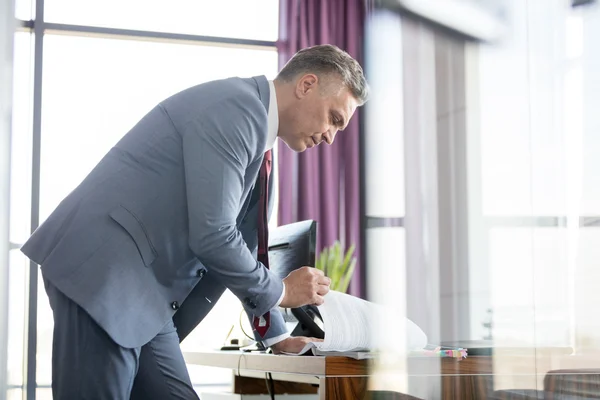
(292, 246)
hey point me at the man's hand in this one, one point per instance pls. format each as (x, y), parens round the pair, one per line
(293, 344)
(304, 286)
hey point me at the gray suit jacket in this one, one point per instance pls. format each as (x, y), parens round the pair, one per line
(169, 210)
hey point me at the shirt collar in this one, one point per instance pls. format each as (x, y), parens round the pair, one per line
(273, 118)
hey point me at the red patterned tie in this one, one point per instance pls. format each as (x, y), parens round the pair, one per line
(262, 324)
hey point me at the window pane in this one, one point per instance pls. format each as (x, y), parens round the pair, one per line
(587, 295)
(249, 19)
(505, 134)
(43, 393)
(20, 180)
(95, 90)
(212, 333)
(14, 394)
(20, 209)
(45, 327)
(24, 9)
(17, 317)
(590, 90)
(530, 118)
(532, 285)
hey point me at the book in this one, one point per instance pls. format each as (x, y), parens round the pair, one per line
(352, 328)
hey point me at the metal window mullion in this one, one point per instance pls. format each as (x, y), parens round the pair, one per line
(140, 34)
(38, 30)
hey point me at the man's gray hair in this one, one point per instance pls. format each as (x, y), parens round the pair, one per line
(327, 59)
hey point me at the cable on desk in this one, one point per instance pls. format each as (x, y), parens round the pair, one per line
(242, 327)
(239, 363)
(270, 385)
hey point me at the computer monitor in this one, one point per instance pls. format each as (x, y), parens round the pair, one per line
(292, 246)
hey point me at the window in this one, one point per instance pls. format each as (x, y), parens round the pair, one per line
(83, 117)
(94, 88)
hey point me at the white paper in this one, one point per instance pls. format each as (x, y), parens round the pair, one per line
(349, 324)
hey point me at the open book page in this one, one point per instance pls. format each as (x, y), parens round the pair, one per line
(350, 322)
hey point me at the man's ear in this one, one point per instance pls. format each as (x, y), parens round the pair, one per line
(306, 84)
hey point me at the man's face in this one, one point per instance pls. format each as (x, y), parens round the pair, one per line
(319, 112)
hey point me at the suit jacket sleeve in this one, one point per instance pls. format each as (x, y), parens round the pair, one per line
(218, 147)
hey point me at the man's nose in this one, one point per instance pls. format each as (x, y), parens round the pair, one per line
(329, 136)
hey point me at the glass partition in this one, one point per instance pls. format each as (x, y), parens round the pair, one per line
(497, 166)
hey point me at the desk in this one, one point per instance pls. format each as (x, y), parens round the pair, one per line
(331, 377)
(341, 378)
(474, 378)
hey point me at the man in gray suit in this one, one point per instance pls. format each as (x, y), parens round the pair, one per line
(136, 256)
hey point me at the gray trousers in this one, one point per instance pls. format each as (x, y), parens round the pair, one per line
(88, 364)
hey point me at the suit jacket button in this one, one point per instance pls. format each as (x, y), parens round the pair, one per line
(175, 305)
(200, 273)
(249, 303)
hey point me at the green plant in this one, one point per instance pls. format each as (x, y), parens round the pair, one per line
(337, 265)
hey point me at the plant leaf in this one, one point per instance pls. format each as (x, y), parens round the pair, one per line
(348, 256)
(323, 260)
(347, 276)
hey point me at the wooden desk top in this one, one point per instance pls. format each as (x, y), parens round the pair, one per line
(417, 366)
(309, 365)
(333, 366)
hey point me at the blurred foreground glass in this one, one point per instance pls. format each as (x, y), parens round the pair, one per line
(385, 196)
(246, 19)
(494, 150)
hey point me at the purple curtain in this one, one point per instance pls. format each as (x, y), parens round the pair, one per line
(323, 183)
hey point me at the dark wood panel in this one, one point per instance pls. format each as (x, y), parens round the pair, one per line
(346, 366)
(467, 366)
(246, 385)
(346, 388)
(467, 387)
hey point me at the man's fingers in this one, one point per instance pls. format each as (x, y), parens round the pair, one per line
(317, 271)
(318, 300)
(322, 290)
(323, 280)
